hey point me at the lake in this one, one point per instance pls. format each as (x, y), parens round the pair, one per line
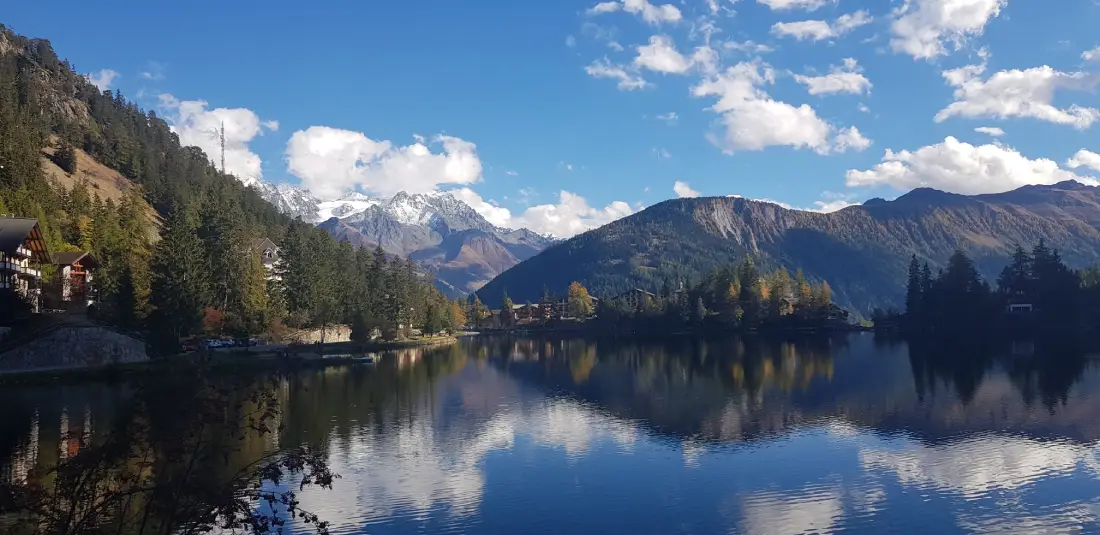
(852, 434)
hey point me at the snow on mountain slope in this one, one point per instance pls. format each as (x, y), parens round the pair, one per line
(417, 226)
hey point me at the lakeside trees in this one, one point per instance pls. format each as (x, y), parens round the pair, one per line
(734, 297)
(200, 261)
(1035, 285)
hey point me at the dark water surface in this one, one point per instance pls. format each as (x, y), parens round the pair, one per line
(848, 435)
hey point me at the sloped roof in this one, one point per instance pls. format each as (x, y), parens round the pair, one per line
(16, 231)
(70, 258)
(264, 243)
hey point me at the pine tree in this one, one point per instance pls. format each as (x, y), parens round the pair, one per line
(179, 283)
(913, 290)
(700, 312)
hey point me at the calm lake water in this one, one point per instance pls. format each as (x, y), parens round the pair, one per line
(847, 435)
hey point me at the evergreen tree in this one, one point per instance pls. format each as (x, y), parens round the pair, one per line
(65, 157)
(913, 290)
(700, 311)
(179, 283)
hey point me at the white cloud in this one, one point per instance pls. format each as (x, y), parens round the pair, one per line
(608, 35)
(155, 71)
(754, 121)
(331, 161)
(848, 78)
(604, 7)
(851, 138)
(102, 79)
(572, 214)
(832, 203)
(660, 55)
(1018, 93)
(747, 47)
(1084, 158)
(961, 168)
(662, 154)
(1090, 55)
(864, 108)
(922, 27)
(670, 117)
(781, 5)
(819, 30)
(990, 131)
(570, 41)
(683, 189)
(651, 13)
(511, 173)
(197, 126)
(497, 215)
(272, 125)
(828, 207)
(627, 81)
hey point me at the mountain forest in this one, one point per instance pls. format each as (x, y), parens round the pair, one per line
(862, 251)
(174, 242)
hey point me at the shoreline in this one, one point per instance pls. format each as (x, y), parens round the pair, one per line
(295, 356)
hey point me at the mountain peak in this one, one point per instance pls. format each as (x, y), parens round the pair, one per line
(355, 196)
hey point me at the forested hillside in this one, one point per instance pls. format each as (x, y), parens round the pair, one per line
(862, 251)
(204, 266)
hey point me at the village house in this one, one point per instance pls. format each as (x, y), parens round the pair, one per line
(72, 287)
(269, 255)
(635, 299)
(22, 253)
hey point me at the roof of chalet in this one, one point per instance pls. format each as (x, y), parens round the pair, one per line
(263, 243)
(70, 258)
(15, 231)
(635, 290)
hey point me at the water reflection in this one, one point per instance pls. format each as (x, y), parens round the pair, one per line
(501, 435)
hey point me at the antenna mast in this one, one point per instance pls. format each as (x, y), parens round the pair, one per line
(221, 135)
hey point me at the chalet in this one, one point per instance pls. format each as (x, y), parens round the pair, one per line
(634, 299)
(269, 255)
(22, 251)
(835, 313)
(72, 288)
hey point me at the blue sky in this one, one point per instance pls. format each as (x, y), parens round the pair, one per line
(557, 115)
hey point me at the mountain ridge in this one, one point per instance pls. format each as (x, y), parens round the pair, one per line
(436, 230)
(862, 251)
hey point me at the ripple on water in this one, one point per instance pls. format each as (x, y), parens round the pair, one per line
(974, 466)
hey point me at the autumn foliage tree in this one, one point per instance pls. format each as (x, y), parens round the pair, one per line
(578, 301)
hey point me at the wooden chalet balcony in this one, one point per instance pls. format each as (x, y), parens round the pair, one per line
(12, 267)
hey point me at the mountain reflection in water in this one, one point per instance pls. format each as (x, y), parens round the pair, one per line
(506, 435)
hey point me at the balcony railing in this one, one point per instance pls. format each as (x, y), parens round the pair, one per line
(12, 267)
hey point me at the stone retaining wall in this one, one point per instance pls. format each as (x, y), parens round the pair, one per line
(334, 333)
(74, 347)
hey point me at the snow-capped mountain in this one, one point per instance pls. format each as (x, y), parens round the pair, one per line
(295, 202)
(349, 204)
(435, 229)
